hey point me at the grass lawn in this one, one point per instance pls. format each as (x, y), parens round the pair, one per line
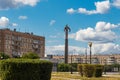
(76, 76)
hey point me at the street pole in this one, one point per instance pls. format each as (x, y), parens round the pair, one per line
(86, 55)
(90, 45)
(71, 65)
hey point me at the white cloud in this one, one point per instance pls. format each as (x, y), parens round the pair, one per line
(101, 34)
(71, 11)
(4, 21)
(101, 8)
(52, 22)
(84, 11)
(106, 48)
(7, 4)
(22, 17)
(59, 50)
(27, 2)
(103, 26)
(116, 3)
(14, 24)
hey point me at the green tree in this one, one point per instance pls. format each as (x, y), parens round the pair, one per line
(4, 56)
(30, 55)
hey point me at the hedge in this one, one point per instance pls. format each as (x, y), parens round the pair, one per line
(30, 55)
(90, 70)
(80, 69)
(25, 69)
(98, 70)
(62, 67)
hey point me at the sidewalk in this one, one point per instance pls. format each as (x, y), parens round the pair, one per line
(112, 74)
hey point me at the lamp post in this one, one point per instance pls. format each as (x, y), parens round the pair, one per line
(90, 45)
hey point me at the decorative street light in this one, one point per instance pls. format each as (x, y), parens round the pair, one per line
(90, 45)
(66, 29)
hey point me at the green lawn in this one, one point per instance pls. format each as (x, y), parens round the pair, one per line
(76, 76)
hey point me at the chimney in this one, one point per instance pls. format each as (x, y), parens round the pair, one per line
(14, 29)
(31, 33)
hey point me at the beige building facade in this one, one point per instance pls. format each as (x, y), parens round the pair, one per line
(16, 43)
(96, 59)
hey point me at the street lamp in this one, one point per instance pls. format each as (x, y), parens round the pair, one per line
(90, 45)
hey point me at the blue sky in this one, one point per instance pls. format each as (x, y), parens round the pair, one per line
(95, 21)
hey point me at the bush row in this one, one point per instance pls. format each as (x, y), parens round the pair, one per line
(90, 70)
(25, 69)
(62, 67)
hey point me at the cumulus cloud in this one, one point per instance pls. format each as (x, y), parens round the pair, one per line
(4, 22)
(104, 26)
(71, 11)
(102, 36)
(7, 4)
(59, 50)
(116, 3)
(22, 17)
(102, 33)
(101, 8)
(52, 22)
(14, 24)
(107, 48)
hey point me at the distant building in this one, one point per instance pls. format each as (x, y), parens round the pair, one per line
(96, 59)
(16, 43)
(111, 60)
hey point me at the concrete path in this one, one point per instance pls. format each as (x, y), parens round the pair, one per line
(112, 74)
(64, 78)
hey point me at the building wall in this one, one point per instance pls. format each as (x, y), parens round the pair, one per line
(96, 59)
(16, 43)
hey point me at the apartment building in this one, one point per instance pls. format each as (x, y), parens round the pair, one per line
(96, 59)
(16, 43)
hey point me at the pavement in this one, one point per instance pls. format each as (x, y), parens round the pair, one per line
(112, 74)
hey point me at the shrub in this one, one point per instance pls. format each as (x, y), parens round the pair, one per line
(74, 66)
(4, 56)
(80, 69)
(98, 70)
(30, 55)
(90, 70)
(25, 69)
(63, 67)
